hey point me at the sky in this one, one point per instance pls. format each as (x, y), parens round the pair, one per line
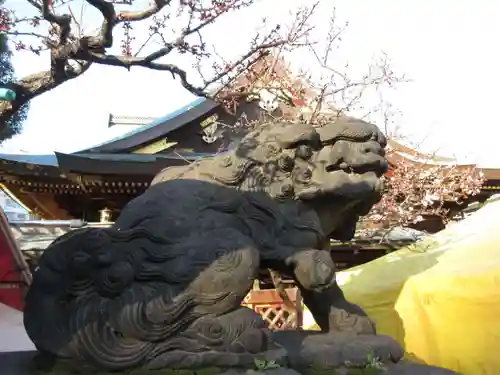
(447, 48)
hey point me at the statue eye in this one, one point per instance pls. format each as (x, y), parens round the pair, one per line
(303, 152)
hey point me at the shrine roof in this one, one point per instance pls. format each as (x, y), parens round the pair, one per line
(46, 160)
(156, 129)
(110, 164)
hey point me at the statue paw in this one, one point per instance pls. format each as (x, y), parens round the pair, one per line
(335, 350)
(347, 322)
(371, 350)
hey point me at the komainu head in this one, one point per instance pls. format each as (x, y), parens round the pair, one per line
(340, 160)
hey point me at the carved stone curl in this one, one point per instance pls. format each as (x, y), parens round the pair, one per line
(163, 287)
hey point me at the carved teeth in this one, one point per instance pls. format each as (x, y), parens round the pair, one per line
(344, 166)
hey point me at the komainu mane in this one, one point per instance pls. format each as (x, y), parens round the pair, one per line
(163, 287)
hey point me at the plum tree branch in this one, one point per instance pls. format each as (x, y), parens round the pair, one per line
(67, 46)
(84, 50)
(105, 37)
(153, 9)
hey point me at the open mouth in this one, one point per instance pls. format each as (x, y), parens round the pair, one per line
(379, 167)
(346, 183)
(351, 180)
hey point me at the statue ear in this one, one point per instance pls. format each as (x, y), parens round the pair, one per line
(289, 135)
(346, 127)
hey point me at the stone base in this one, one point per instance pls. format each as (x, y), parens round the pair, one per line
(296, 353)
(401, 368)
(20, 363)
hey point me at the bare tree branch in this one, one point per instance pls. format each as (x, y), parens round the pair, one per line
(67, 45)
(34, 85)
(145, 13)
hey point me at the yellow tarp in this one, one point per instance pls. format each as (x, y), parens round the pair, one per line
(440, 298)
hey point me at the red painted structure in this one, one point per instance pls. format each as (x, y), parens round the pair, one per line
(15, 276)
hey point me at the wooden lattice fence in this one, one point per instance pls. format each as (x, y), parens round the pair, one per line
(271, 307)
